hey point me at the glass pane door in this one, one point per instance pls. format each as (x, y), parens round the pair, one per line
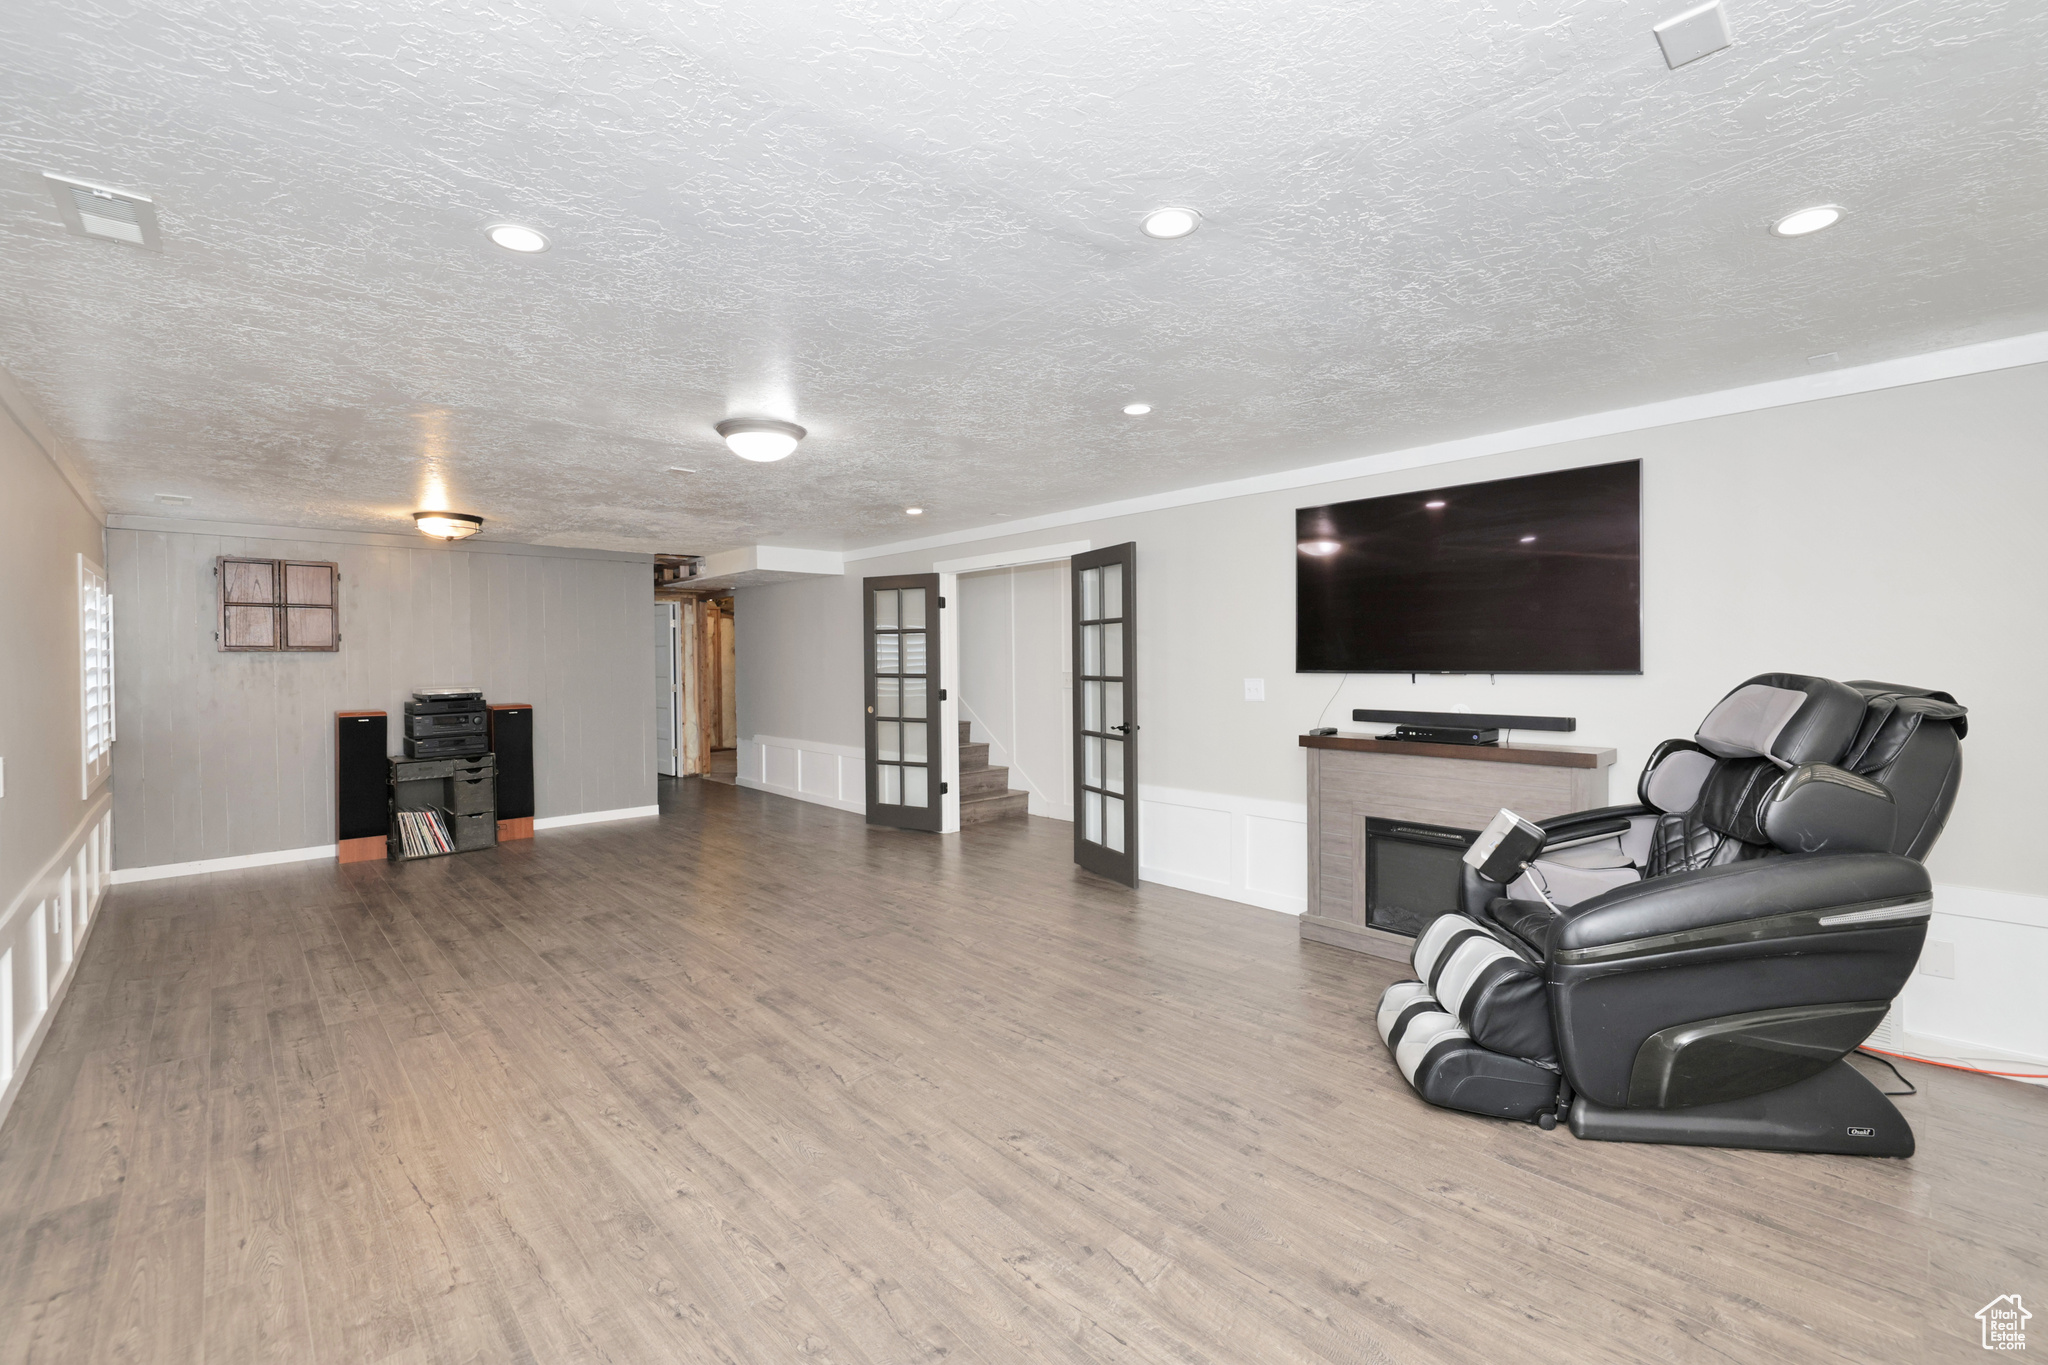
(1105, 725)
(902, 643)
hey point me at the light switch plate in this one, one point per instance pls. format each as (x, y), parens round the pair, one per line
(1938, 959)
(1254, 689)
(1697, 33)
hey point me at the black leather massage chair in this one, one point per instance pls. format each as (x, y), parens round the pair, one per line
(1693, 968)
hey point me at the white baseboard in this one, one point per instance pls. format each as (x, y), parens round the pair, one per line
(199, 867)
(808, 770)
(594, 817)
(42, 938)
(314, 852)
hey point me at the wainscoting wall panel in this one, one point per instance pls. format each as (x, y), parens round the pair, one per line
(823, 774)
(1239, 848)
(41, 937)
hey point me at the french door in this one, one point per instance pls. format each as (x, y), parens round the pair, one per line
(904, 744)
(1105, 712)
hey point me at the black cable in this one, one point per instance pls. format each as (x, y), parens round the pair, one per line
(1911, 1089)
(1333, 697)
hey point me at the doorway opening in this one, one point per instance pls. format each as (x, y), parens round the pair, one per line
(1016, 693)
(696, 700)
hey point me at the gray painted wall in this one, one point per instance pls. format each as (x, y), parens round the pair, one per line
(1890, 535)
(44, 527)
(229, 754)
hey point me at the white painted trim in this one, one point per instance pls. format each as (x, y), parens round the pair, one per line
(71, 890)
(38, 886)
(847, 765)
(201, 866)
(1983, 1056)
(314, 852)
(2030, 349)
(1014, 559)
(595, 817)
(2000, 907)
(389, 540)
(1253, 872)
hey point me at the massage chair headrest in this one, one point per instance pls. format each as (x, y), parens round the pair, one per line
(1787, 718)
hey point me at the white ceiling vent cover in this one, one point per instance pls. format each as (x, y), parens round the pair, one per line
(111, 215)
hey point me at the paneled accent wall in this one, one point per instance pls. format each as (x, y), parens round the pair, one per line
(1237, 847)
(824, 774)
(228, 755)
(42, 936)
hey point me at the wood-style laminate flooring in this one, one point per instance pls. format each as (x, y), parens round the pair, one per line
(754, 1083)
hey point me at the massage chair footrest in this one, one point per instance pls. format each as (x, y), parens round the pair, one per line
(1836, 1111)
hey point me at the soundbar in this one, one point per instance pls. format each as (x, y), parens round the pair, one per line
(1462, 720)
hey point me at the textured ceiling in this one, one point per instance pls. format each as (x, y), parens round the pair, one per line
(911, 227)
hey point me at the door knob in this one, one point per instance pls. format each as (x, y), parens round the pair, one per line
(871, 710)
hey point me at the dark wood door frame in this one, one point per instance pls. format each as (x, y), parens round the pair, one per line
(931, 816)
(1099, 857)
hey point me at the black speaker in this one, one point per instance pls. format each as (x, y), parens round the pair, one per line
(362, 787)
(512, 742)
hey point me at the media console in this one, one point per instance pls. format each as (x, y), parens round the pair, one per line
(1389, 819)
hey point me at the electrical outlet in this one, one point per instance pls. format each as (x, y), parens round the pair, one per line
(1254, 689)
(1938, 959)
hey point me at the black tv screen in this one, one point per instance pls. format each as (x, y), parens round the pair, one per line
(1540, 574)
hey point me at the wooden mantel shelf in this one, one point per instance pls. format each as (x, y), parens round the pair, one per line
(1540, 755)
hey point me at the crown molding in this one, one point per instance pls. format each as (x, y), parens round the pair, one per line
(128, 521)
(2006, 354)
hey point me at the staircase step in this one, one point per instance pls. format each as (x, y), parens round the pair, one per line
(981, 810)
(973, 756)
(983, 781)
(967, 732)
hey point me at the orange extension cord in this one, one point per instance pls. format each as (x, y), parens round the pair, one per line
(1974, 1070)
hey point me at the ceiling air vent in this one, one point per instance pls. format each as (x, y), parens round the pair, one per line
(111, 215)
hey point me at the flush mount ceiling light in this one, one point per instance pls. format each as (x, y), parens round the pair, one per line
(1807, 220)
(1320, 547)
(913, 511)
(1435, 504)
(1136, 409)
(1528, 540)
(1167, 224)
(447, 525)
(514, 237)
(760, 439)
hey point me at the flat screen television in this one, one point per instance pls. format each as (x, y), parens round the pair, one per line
(1538, 574)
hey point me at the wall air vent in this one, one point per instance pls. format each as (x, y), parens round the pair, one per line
(111, 215)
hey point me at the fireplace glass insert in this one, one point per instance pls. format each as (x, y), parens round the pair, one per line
(1412, 873)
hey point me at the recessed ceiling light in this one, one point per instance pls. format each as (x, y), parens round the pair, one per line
(913, 511)
(678, 469)
(1528, 539)
(447, 525)
(1808, 220)
(1166, 224)
(179, 499)
(1435, 505)
(1136, 409)
(513, 237)
(1320, 547)
(760, 439)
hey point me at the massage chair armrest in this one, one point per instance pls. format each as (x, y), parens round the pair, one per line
(1560, 827)
(1758, 889)
(1476, 893)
